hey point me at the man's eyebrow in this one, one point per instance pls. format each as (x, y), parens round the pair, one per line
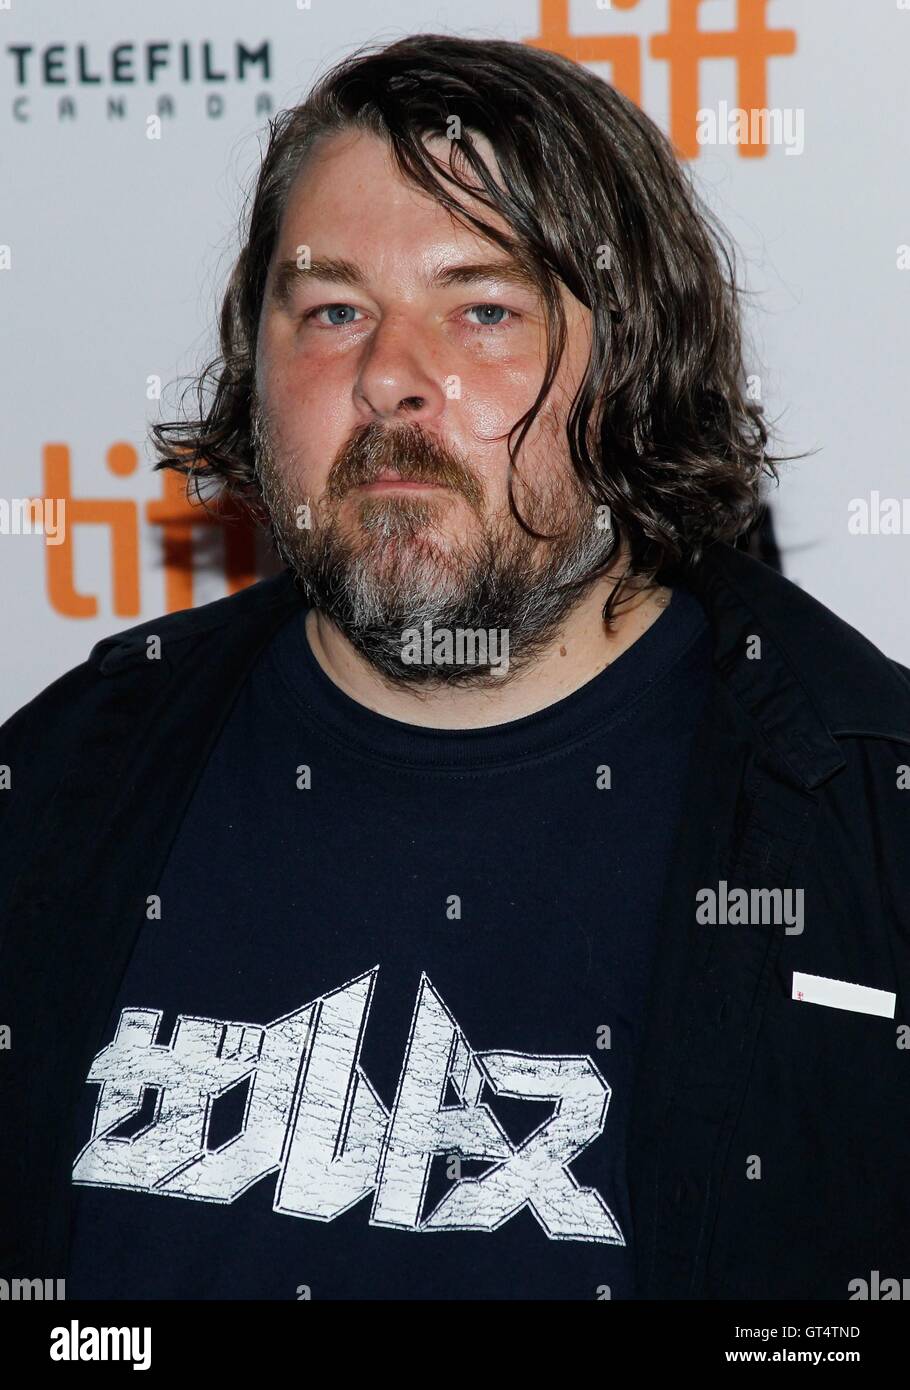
(511, 271)
(289, 275)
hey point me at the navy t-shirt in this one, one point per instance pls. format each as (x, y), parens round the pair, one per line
(377, 1037)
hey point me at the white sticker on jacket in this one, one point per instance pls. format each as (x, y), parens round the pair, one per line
(841, 994)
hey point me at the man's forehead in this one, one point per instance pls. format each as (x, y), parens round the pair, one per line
(344, 245)
(324, 180)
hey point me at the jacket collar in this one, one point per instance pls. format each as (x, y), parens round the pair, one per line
(810, 680)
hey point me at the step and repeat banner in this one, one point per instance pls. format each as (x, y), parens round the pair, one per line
(130, 135)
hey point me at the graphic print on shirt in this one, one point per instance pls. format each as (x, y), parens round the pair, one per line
(312, 1115)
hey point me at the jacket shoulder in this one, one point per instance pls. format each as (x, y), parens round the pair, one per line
(71, 692)
(902, 671)
(41, 738)
(122, 648)
(854, 686)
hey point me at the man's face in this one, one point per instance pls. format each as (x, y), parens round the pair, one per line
(388, 376)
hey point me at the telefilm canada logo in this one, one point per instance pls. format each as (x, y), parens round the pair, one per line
(155, 80)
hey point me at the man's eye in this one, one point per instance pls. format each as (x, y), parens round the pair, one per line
(340, 315)
(334, 309)
(485, 309)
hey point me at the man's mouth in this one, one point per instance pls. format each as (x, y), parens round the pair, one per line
(388, 479)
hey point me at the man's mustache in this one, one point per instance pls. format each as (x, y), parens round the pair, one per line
(410, 452)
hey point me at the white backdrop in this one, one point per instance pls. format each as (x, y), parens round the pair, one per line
(114, 249)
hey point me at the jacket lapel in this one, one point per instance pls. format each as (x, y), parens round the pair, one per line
(749, 810)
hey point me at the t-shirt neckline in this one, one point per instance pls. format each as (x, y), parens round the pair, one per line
(601, 701)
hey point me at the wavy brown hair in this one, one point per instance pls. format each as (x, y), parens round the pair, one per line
(662, 429)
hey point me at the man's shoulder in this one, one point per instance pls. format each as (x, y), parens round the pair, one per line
(50, 734)
(172, 629)
(71, 693)
(854, 686)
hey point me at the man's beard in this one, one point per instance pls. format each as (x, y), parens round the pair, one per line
(398, 573)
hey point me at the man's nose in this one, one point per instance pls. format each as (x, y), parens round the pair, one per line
(398, 380)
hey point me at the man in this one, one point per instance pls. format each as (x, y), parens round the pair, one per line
(506, 900)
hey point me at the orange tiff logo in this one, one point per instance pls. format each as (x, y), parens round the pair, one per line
(683, 47)
(173, 513)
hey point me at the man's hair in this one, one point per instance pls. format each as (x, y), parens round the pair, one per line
(663, 429)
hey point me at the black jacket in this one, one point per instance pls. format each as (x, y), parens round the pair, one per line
(795, 783)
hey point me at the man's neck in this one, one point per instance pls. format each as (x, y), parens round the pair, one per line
(581, 650)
